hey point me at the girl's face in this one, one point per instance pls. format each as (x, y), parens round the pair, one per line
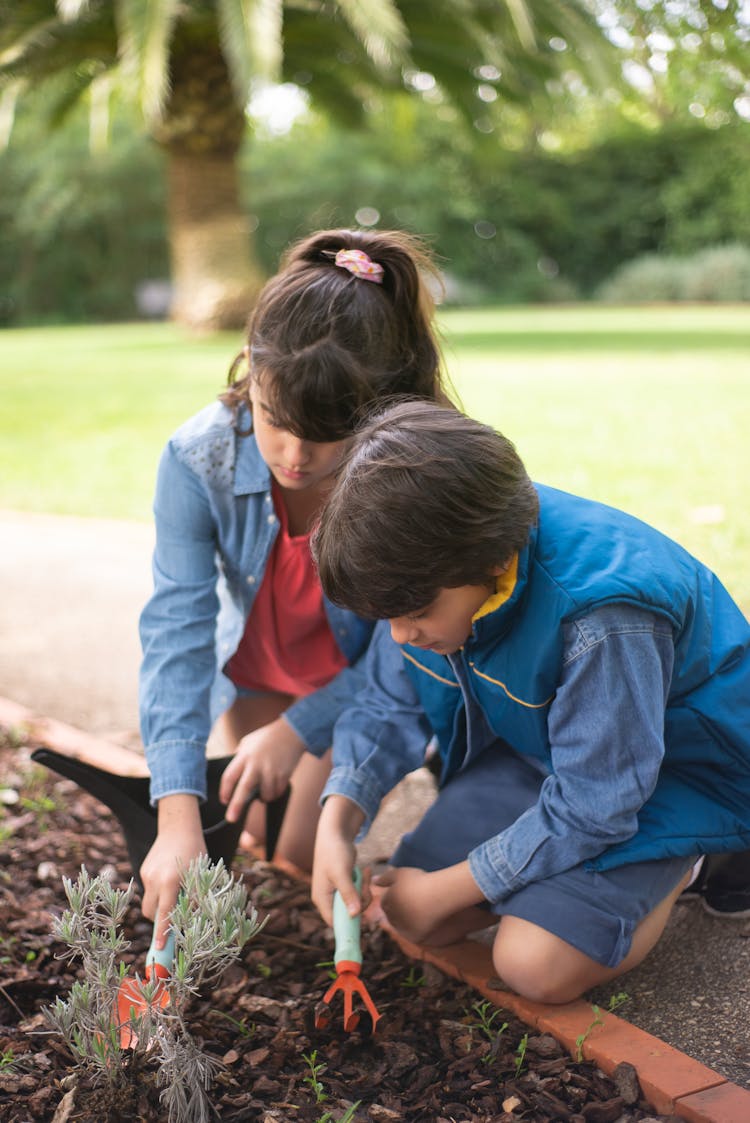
(295, 463)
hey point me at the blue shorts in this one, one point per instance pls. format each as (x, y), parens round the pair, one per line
(596, 912)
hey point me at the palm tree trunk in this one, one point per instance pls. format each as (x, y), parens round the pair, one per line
(215, 280)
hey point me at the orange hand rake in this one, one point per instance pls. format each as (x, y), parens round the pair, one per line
(348, 962)
(136, 995)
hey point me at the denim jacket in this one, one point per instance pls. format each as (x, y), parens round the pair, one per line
(215, 526)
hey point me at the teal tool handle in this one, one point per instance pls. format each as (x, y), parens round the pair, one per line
(163, 956)
(346, 928)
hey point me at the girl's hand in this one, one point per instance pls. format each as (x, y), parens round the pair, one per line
(179, 840)
(267, 757)
(335, 855)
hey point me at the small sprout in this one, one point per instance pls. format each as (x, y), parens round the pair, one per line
(7, 1060)
(485, 1023)
(617, 1000)
(316, 1071)
(240, 1025)
(521, 1053)
(41, 806)
(263, 970)
(16, 735)
(413, 979)
(327, 1116)
(614, 1003)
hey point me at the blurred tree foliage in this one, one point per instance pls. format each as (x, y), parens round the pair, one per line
(191, 67)
(78, 230)
(509, 219)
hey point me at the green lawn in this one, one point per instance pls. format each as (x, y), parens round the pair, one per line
(648, 409)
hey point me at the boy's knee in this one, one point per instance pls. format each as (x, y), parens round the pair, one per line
(536, 964)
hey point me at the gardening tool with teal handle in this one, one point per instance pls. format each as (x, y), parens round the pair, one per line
(136, 995)
(348, 963)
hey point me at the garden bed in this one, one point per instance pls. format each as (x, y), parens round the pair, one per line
(440, 1052)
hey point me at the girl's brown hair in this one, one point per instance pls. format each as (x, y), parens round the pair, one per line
(426, 499)
(327, 345)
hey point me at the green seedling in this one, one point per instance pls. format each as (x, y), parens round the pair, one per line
(263, 970)
(7, 1060)
(486, 1025)
(330, 966)
(316, 1071)
(521, 1053)
(41, 806)
(6, 831)
(328, 1117)
(413, 979)
(15, 736)
(614, 1003)
(240, 1024)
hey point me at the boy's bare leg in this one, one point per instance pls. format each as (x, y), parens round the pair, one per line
(297, 836)
(541, 966)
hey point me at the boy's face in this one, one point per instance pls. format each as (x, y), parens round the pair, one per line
(445, 624)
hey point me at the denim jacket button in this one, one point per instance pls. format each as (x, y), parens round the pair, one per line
(250, 578)
(271, 519)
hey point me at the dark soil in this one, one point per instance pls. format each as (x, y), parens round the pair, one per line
(429, 1062)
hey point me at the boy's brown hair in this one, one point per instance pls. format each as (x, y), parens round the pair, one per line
(326, 345)
(426, 499)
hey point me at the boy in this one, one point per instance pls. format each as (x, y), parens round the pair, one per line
(588, 685)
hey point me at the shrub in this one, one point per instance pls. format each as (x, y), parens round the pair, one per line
(720, 273)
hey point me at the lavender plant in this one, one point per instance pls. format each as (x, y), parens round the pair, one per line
(211, 923)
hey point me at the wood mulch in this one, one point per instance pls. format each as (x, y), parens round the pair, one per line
(430, 1060)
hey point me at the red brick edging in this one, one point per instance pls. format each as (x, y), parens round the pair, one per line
(672, 1082)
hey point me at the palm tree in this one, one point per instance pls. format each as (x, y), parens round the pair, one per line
(192, 64)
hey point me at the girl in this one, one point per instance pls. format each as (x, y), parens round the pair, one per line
(237, 624)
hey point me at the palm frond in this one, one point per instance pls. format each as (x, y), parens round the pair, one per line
(8, 99)
(523, 23)
(250, 32)
(380, 28)
(46, 47)
(144, 29)
(71, 9)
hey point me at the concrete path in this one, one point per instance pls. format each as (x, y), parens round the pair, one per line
(71, 592)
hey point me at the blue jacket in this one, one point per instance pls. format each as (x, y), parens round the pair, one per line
(215, 526)
(582, 557)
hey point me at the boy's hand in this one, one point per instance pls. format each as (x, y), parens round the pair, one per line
(267, 757)
(419, 903)
(335, 855)
(179, 840)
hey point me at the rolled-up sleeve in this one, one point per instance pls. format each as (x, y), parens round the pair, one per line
(382, 735)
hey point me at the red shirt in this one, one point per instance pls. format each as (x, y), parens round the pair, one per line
(287, 644)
